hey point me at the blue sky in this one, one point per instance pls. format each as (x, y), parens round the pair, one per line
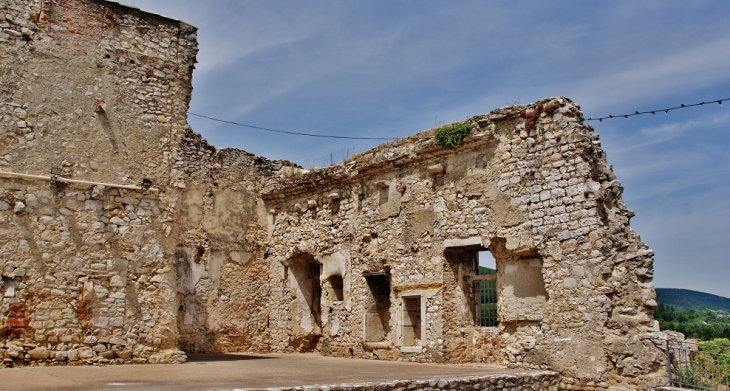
(392, 68)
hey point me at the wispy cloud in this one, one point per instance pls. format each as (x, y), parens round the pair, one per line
(649, 136)
(683, 69)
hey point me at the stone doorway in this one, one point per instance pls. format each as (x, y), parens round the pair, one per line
(463, 298)
(305, 307)
(377, 316)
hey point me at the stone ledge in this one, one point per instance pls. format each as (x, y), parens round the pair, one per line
(539, 380)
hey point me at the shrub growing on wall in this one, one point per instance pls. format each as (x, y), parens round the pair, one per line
(450, 136)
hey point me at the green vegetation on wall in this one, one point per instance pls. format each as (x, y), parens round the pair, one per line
(450, 136)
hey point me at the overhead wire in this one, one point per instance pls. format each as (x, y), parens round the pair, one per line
(288, 132)
(667, 110)
(599, 119)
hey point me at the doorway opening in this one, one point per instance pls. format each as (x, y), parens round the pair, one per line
(306, 305)
(377, 316)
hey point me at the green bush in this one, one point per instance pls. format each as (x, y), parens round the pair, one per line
(450, 136)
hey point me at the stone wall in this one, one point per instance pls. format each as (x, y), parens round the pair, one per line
(532, 186)
(374, 257)
(100, 91)
(221, 274)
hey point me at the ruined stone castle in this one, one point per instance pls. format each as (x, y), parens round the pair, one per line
(374, 257)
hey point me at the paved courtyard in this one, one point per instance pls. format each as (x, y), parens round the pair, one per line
(233, 371)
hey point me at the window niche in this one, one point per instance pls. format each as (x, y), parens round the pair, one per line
(306, 274)
(8, 287)
(383, 190)
(305, 307)
(335, 287)
(411, 331)
(522, 293)
(469, 287)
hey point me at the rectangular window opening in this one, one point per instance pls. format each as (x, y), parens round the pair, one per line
(485, 291)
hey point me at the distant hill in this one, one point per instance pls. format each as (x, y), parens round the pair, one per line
(486, 271)
(682, 299)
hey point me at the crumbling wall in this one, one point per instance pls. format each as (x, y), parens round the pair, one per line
(223, 278)
(234, 252)
(100, 91)
(531, 185)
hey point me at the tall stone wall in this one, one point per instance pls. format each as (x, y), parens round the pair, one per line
(100, 274)
(100, 91)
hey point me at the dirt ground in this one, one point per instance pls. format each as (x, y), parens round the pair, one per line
(232, 371)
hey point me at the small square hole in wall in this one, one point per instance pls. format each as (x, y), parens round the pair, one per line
(8, 287)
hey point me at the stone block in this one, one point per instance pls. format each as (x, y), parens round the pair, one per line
(125, 354)
(39, 353)
(117, 341)
(467, 242)
(117, 281)
(84, 353)
(72, 355)
(61, 356)
(94, 205)
(100, 321)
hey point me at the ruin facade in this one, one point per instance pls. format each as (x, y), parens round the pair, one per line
(375, 257)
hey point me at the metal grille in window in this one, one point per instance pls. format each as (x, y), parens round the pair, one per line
(485, 294)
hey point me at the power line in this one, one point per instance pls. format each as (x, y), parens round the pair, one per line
(682, 106)
(599, 119)
(287, 132)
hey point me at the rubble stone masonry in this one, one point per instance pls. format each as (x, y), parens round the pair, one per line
(374, 257)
